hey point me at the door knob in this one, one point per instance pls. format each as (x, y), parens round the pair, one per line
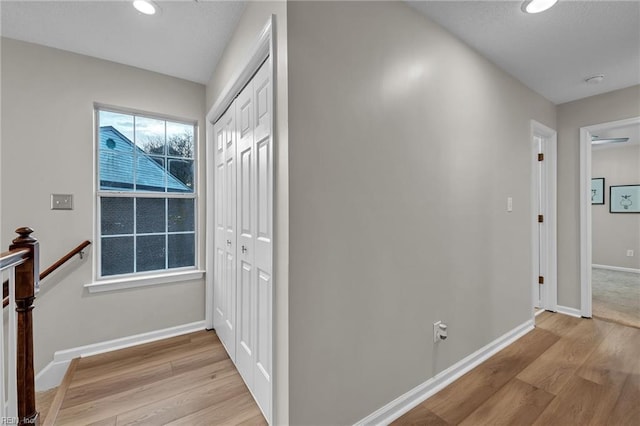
(228, 242)
(244, 249)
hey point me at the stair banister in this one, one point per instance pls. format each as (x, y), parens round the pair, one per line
(26, 282)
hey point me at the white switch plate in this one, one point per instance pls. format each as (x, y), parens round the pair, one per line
(61, 202)
(509, 204)
(629, 253)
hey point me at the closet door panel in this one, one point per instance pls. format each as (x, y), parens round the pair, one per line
(246, 175)
(225, 222)
(264, 236)
(244, 202)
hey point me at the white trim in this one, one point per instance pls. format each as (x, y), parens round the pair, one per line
(569, 311)
(538, 312)
(52, 375)
(420, 393)
(616, 268)
(549, 297)
(143, 281)
(209, 249)
(585, 208)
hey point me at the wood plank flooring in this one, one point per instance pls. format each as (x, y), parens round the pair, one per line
(568, 371)
(184, 380)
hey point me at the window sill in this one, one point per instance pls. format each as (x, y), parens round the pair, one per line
(143, 281)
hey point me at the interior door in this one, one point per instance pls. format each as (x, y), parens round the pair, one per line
(263, 102)
(542, 224)
(246, 179)
(224, 318)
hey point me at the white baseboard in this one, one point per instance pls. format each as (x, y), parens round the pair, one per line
(616, 268)
(52, 375)
(420, 393)
(569, 311)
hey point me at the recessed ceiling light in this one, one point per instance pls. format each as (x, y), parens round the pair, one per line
(146, 6)
(537, 6)
(596, 79)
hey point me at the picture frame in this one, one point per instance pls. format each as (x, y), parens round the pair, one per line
(624, 199)
(597, 191)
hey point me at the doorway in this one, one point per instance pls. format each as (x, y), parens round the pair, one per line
(544, 214)
(610, 232)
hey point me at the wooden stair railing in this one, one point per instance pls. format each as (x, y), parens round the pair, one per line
(26, 279)
(64, 259)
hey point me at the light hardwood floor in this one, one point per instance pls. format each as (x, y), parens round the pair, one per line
(185, 380)
(568, 371)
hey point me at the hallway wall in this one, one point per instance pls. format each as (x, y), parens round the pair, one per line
(404, 146)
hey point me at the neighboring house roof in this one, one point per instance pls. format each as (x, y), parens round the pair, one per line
(116, 166)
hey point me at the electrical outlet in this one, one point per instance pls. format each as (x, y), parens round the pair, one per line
(629, 253)
(439, 331)
(436, 329)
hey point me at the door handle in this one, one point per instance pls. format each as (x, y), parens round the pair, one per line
(228, 242)
(244, 249)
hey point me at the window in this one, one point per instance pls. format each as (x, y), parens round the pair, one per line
(146, 193)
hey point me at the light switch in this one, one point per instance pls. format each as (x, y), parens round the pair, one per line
(509, 204)
(61, 202)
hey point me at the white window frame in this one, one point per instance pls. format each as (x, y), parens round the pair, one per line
(145, 278)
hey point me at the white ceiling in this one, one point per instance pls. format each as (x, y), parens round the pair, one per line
(185, 40)
(551, 52)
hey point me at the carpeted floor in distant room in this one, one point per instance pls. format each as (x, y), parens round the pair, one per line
(616, 296)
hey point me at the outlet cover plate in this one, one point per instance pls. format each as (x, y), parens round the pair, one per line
(436, 327)
(61, 201)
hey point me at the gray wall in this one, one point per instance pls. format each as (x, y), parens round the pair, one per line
(251, 24)
(604, 108)
(404, 146)
(47, 147)
(614, 234)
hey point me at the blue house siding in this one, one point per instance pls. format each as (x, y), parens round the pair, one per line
(117, 154)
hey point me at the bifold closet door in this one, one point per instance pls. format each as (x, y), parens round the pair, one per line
(244, 234)
(224, 288)
(255, 198)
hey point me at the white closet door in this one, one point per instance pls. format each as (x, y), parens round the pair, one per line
(263, 236)
(244, 235)
(225, 222)
(246, 180)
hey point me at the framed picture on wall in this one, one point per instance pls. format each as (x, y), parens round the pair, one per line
(624, 199)
(597, 191)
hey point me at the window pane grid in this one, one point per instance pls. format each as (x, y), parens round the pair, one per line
(157, 227)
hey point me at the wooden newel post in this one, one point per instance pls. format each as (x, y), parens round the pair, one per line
(27, 280)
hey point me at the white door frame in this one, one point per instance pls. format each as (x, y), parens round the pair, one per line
(585, 208)
(263, 49)
(549, 296)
